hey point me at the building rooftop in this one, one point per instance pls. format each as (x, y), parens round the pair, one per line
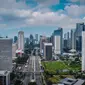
(5, 38)
(19, 51)
(69, 81)
(4, 73)
(47, 43)
(79, 82)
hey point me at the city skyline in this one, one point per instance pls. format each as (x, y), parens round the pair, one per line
(40, 31)
(42, 42)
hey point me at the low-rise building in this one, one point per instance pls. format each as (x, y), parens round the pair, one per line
(4, 78)
(70, 81)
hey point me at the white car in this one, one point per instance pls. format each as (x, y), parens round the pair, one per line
(26, 66)
(19, 68)
(27, 61)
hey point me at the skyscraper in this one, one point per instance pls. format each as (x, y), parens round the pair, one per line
(73, 38)
(83, 51)
(68, 40)
(36, 37)
(15, 39)
(31, 38)
(48, 51)
(6, 54)
(65, 46)
(79, 28)
(21, 40)
(43, 39)
(58, 41)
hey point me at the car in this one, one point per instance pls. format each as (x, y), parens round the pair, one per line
(32, 83)
(26, 66)
(33, 78)
(19, 68)
(27, 61)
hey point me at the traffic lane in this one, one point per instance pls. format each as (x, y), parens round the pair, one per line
(38, 79)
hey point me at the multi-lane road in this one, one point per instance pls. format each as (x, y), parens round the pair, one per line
(33, 71)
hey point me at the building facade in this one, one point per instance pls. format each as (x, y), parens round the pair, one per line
(21, 40)
(48, 51)
(4, 78)
(6, 54)
(43, 39)
(36, 38)
(58, 41)
(79, 28)
(14, 48)
(83, 51)
(15, 39)
(73, 38)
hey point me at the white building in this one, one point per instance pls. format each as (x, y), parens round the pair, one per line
(48, 51)
(21, 40)
(43, 39)
(58, 41)
(4, 78)
(57, 44)
(83, 51)
(6, 54)
(14, 48)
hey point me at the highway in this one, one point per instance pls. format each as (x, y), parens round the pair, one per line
(33, 71)
(38, 71)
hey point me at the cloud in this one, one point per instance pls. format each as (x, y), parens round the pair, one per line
(25, 18)
(82, 2)
(17, 15)
(74, 0)
(75, 10)
(53, 19)
(47, 2)
(11, 14)
(12, 4)
(48, 18)
(3, 25)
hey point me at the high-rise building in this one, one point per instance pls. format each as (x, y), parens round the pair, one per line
(65, 36)
(21, 40)
(31, 38)
(6, 54)
(15, 39)
(4, 78)
(58, 41)
(65, 42)
(48, 51)
(36, 37)
(73, 38)
(27, 42)
(83, 51)
(43, 39)
(68, 40)
(79, 28)
(14, 48)
(49, 39)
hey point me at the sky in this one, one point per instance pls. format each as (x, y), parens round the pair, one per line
(39, 16)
